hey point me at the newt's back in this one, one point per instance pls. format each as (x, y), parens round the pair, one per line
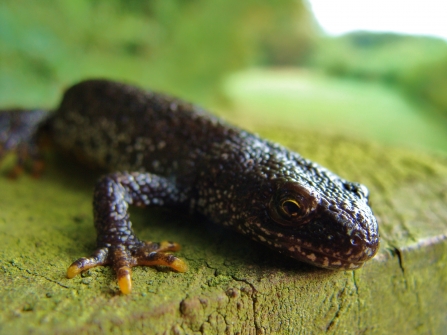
(121, 127)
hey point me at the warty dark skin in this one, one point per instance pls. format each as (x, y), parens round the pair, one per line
(179, 155)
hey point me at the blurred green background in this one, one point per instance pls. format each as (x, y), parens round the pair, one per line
(258, 63)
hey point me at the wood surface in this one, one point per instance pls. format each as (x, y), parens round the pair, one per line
(233, 286)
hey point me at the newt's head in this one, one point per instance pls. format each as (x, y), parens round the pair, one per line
(317, 218)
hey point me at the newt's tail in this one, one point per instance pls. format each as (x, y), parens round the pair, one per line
(19, 131)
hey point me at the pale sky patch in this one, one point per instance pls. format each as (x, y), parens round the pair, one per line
(428, 17)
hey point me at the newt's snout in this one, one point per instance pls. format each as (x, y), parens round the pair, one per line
(334, 242)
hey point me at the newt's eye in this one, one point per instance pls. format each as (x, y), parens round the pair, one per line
(292, 204)
(291, 208)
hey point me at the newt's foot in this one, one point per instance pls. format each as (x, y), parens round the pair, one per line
(123, 258)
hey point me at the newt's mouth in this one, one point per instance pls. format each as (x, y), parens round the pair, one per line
(348, 260)
(330, 244)
(337, 244)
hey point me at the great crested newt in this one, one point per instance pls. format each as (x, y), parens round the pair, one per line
(179, 155)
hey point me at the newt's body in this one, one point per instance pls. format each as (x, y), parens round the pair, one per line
(179, 155)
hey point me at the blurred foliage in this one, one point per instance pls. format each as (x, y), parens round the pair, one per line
(181, 46)
(428, 83)
(416, 64)
(377, 56)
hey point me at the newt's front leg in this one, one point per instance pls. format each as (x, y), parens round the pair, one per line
(117, 244)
